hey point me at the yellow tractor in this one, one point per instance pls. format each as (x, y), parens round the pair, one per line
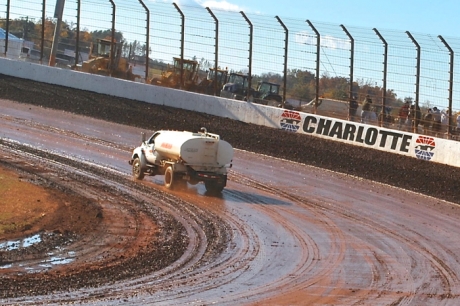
(171, 77)
(99, 61)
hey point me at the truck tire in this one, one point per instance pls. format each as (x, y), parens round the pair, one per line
(138, 173)
(213, 187)
(169, 178)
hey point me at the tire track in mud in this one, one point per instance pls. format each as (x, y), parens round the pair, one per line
(386, 273)
(181, 242)
(416, 254)
(313, 265)
(220, 251)
(205, 284)
(200, 269)
(65, 132)
(221, 270)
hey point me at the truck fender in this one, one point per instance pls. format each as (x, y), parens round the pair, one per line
(143, 160)
(139, 152)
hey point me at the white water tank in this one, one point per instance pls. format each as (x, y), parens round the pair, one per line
(194, 148)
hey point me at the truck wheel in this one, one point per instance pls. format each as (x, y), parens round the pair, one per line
(138, 173)
(169, 178)
(213, 187)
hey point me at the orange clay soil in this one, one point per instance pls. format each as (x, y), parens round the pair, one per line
(27, 208)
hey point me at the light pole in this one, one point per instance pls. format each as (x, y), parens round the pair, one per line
(57, 31)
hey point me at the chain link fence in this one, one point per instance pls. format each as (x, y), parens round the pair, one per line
(313, 62)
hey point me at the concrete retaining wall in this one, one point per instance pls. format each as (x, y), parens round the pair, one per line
(409, 144)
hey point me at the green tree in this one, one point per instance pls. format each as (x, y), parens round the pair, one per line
(107, 34)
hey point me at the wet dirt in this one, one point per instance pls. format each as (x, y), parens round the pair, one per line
(145, 242)
(417, 175)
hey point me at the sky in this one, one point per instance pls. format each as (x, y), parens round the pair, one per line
(421, 16)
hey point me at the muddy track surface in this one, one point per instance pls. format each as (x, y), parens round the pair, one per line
(282, 232)
(138, 231)
(417, 175)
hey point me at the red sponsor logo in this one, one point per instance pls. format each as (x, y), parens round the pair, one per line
(291, 115)
(166, 145)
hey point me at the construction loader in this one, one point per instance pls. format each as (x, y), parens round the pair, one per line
(100, 61)
(171, 77)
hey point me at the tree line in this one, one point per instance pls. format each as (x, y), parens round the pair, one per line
(30, 31)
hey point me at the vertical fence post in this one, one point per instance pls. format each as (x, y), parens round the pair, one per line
(112, 43)
(57, 32)
(352, 58)
(77, 43)
(286, 41)
(216, 52)
(385, 64)
(318, 50)
(451, 83)
(147, 40)
(250, 54)
(417, 78)
(7, 30)
(182, 44)
(42, 47)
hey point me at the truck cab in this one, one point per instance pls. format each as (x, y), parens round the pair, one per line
(149, 148)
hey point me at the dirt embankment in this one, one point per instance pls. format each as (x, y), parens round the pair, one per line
(426, 177)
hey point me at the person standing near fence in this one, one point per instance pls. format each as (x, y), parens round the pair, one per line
(436, 121)
(445, 121)
(427, 122)
(458, 124)
(415, 114)
(366, 110)
(403, 116)
(456, 131)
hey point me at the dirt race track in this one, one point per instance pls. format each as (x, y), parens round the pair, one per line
(302, 221)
